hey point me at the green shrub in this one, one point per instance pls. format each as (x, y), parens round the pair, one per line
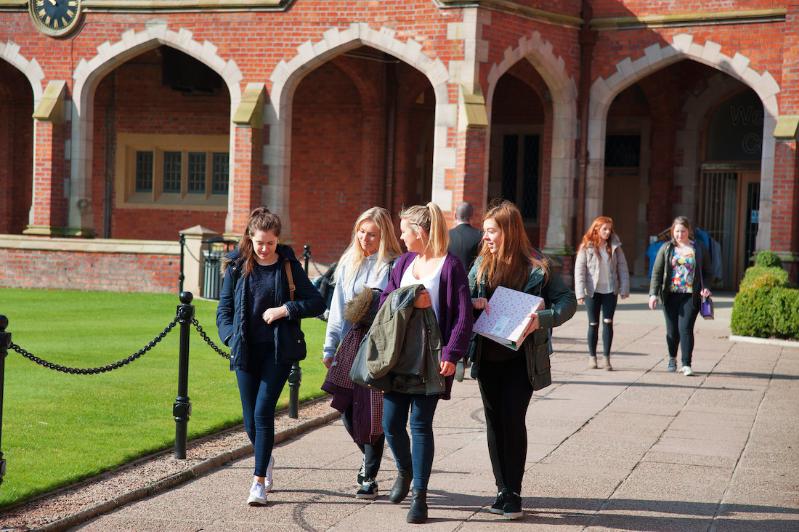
(752, 313)
(785, 312)
(758, 277)
(769, 259)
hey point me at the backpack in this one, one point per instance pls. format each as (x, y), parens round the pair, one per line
(326, 284)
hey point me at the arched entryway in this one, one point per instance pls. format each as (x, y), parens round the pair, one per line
(16, 149)
(160, 138)
(361, 135)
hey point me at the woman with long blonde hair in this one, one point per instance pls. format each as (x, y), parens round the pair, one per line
(507, 378)
(600, 277)
(365, 265)
(424, 232)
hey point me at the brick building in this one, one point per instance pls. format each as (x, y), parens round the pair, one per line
(150, 116)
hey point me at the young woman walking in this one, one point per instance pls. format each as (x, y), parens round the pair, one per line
(507, 378)
(680, 278)
(424, 232)
(600, 277)
(365, 265)
(265, 292)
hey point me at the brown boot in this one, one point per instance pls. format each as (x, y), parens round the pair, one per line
(608, 367)
(591, 362)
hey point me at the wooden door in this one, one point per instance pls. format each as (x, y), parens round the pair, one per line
(620, 202)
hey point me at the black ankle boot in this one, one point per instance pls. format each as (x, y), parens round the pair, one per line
(401, 487)
(418, 511)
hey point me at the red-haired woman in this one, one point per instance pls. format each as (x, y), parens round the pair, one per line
(259, 319)
(508, 378)
(600, 277)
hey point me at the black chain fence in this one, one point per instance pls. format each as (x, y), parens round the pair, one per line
(221, 352)
(100, 369)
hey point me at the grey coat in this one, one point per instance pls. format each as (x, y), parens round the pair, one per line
(586, 270)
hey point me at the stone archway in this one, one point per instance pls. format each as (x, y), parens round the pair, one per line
(89, 73)
(287, 75)
(629, 71)
(563, 90)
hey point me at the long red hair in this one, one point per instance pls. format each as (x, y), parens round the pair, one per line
(510, 265)
(592, 235)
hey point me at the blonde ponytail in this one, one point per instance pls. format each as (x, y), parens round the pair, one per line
(439, 235)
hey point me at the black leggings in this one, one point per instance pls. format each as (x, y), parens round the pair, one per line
(606, 303)
(373, 453)
(680, 313)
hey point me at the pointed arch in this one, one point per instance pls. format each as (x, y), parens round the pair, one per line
(287, 75)
(656, 57)
(87, 77)
(563, 89)
(9, 51)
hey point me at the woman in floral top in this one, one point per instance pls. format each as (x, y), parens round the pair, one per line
(678, 280)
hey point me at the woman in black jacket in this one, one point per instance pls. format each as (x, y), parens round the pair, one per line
(507, 378)
(258, 318)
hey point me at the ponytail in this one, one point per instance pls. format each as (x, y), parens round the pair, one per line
(430, 224)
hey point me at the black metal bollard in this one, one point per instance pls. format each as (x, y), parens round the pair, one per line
(181, 410)
(181, 277)
(5, 343)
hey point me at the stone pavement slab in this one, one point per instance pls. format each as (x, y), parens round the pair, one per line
(632, 449)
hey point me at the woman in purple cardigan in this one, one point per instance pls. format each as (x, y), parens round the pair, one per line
(427, 262)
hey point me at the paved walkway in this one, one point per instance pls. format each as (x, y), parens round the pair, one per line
(632, 449)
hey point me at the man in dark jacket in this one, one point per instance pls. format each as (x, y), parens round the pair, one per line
(464, 240)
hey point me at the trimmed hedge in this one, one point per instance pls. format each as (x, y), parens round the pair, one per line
(769, 259)
(763, 277)
(766, 306)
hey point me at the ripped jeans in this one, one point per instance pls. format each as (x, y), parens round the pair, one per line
(607, 304)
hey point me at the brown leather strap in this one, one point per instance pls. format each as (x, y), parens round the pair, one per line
(290, 278)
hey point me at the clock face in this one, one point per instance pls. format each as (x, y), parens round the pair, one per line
(55, 17)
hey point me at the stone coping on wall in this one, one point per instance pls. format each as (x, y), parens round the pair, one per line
(95, 245)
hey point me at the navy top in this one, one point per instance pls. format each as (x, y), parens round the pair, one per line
(263, 284)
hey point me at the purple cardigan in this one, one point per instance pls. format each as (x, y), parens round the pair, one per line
(455, 306)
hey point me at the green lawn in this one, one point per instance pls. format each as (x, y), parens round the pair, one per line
(60, 428)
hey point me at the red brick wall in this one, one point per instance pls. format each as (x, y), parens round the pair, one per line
(640, 8)
(139, 103)
(16, 149)
(115, 272)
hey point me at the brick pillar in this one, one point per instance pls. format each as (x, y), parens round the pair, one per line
(247, 178)
(785, 205)
(48, 215)
(471, 169)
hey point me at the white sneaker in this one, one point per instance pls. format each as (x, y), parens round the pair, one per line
(268, 477)
(687, 371)
(257, 495)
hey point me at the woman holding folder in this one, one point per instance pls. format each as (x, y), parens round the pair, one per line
(508, 377)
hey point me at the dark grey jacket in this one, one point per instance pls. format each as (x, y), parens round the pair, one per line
(561, 305)
(661, 271)
(231, 314)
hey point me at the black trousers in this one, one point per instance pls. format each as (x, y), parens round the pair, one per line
(680, 312)
(506, 392)
(607, 304)
(373, 453)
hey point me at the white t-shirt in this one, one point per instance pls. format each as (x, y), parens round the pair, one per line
(431, 283)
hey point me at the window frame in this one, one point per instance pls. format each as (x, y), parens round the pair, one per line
(128, 144)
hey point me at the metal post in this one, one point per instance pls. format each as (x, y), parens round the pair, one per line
(5, 343)
(181, 277)
(181, 410)
(295, 375)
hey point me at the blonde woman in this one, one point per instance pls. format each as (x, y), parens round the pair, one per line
(424, 232)
(365, 265)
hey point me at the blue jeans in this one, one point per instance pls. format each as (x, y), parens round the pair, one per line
(260, 390)
(395, 419)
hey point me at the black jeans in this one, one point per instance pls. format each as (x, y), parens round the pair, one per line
(373, 453)
(680, 312)
(607, 304)
(506, 392)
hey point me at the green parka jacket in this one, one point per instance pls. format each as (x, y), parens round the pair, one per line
(561, 305)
